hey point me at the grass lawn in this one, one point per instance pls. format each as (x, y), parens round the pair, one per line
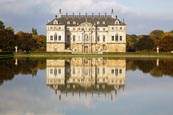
(116, 55)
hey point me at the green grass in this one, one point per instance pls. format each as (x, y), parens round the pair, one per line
(117, 55)
(6, 55)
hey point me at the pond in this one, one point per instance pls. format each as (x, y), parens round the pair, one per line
(86, 86)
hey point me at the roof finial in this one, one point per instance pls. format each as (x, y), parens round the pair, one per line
(116, 16)
(123, 20)
(73, 14)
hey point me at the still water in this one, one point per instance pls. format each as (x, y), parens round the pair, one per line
(86, 86)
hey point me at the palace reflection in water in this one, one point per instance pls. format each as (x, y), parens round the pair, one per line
(86, 76)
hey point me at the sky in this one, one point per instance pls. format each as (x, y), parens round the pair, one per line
(141, 16)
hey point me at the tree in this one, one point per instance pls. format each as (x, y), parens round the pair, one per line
(171, 31)
(144, 43)
(166, 43)
(6, 40)
(25, 41)
(34, 31)
(41, 42)
(156, 35)
(2, 26)
(10, 28)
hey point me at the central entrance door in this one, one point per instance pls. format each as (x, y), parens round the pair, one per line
(85, 49)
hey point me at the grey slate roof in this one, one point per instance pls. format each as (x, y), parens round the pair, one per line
(104, 20)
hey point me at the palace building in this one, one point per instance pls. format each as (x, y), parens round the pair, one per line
(86, 34)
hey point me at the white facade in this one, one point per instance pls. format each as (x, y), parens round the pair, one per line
(86, 34)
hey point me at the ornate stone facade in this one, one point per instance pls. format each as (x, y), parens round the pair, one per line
(85, 34)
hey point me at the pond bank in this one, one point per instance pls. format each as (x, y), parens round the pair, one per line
(115, 55)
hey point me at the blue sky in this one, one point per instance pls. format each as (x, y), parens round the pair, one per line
(141, 16)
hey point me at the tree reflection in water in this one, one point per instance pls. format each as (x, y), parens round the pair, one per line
(156, 67)
(11, 67)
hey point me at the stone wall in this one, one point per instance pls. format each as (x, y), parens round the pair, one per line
(116, 47)
(55, 47)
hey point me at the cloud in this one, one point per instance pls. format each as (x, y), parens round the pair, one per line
(25, 14)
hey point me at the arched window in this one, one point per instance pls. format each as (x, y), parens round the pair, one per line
(116, 37)
(55, 36)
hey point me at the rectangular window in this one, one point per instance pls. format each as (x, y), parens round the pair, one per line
(59, 28)
(59, 71)
(120, 71)
(112, 71)
(59, 38)
(112, 38)
(103, 38)
(51, 37)
(103, 70)
(74, 38)
(120, 38)
(51, 71)
(120, 28)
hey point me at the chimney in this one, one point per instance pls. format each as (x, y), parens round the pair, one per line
(112, 14)
(59, 13)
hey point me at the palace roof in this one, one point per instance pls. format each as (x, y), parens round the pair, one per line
(75, 20)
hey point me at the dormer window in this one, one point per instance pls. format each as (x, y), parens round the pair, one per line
(74, 22)
(103, 22)
(55, 22)
(68, 22)
(98, 22)
(117, 22)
